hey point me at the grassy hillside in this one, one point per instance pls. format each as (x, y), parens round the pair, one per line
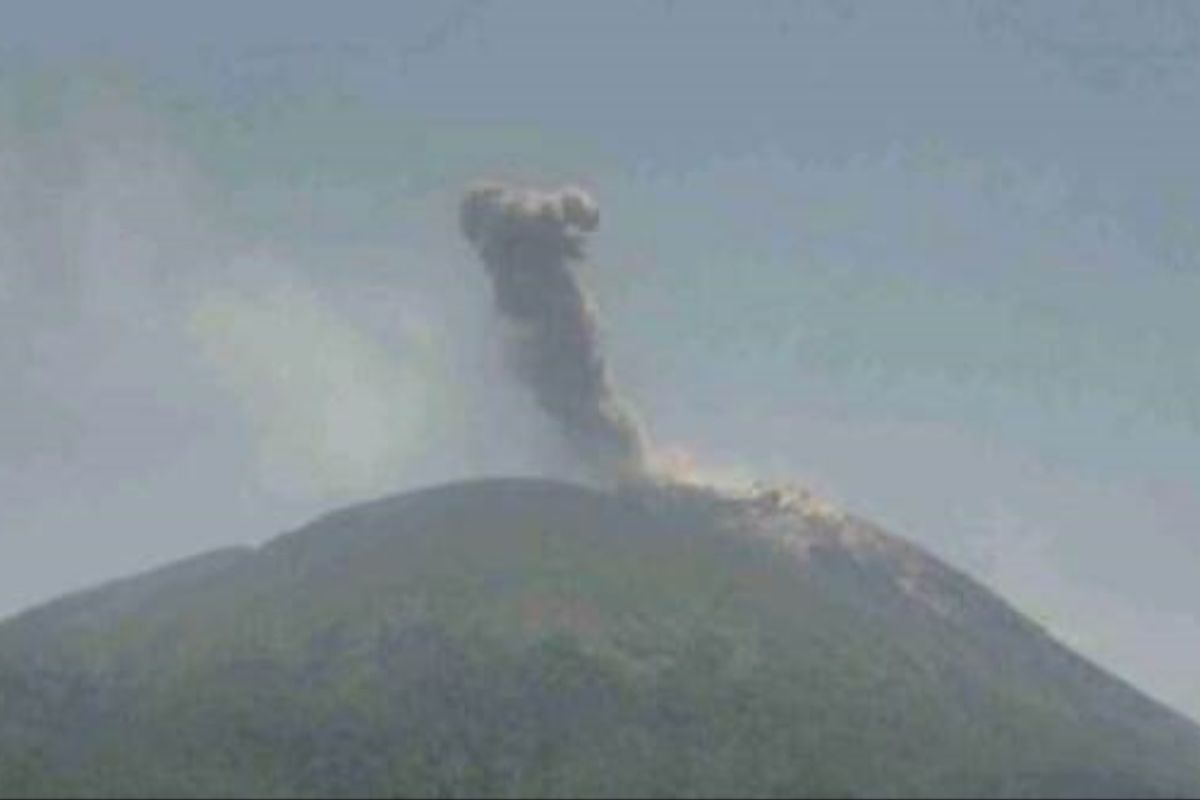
(517, 638)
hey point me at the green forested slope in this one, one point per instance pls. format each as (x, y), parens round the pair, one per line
(519, 637)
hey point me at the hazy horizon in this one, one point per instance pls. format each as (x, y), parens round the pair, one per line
(940, 263)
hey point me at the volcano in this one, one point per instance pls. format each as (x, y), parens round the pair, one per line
(522, 637)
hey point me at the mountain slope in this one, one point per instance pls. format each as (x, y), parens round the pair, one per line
(522, 637)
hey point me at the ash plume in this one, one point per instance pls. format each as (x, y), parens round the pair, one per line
(528, 240)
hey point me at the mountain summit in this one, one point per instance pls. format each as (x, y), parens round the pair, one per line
(524, 637)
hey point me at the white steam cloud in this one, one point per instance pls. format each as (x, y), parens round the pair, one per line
(335, 414)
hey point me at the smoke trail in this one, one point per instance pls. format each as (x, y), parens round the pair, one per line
(527, 240)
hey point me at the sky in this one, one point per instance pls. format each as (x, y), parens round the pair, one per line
(939, 262)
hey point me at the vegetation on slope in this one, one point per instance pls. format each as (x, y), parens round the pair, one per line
(524, 638)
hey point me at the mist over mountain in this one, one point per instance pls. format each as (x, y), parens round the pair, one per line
(520, 637)
(936, 263)
(650, 634)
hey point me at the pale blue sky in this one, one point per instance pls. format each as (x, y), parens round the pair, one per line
(940, 261)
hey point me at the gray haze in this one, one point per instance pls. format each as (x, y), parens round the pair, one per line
(940, 262)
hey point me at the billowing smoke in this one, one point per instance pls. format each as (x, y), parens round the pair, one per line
(528, 240)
